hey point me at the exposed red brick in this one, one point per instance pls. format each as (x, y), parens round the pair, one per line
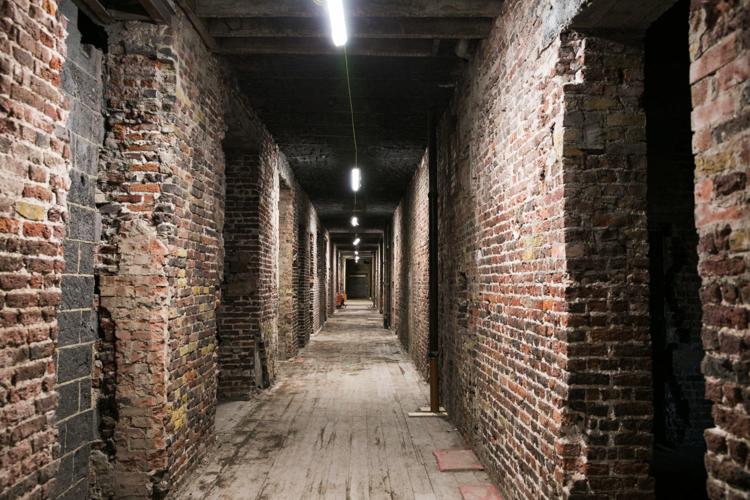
(32, 109)
(719, 59)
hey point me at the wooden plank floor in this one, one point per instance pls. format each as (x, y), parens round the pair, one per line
(334, 426)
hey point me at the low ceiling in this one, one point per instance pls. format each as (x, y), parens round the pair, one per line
(404, 59)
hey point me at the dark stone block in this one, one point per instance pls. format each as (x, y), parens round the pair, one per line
(88, 326)
(62, 432)
(73, 363)
(69, 400)
(78, 492)
(81, 462)
(85, 122)
(70, 249)
(83, 224)
(80, 79)
(69, 323)
(64, 474)
(79, 431)
(82, 188)
(85, 155)
(86, 258)
(85, 394)
(77, 292)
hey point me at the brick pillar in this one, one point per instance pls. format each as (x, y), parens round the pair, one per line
(161, 181)
(34, 184)
(240, 311)
(248, 326)
(137, 298)
(719, 76)
(606, 438)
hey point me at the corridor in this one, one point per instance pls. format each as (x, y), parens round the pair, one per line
(543, 205)
(334, 426)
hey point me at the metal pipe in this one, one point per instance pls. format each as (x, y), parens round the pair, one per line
(433, 265)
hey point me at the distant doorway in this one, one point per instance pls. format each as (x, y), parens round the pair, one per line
(358, 279)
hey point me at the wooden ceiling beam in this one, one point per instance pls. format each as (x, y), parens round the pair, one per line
(267, 67)
(95, 10)
(445, 28)
(358, 47)
(357, 8)
(160, 11)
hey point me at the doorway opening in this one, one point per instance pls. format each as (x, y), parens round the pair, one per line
(358, 279)
(681, 413)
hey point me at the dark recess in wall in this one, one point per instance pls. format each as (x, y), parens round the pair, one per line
(680, 411)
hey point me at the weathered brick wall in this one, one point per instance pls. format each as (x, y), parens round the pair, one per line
(262, 318)
(502, 249)
(287, 269)
(82, 84)
(34, 154)
(247, 329)
(321, 283)
(410, 263)
(306, 285)
(609, 401)
(719, 51)
(161, 179)
(545, 357)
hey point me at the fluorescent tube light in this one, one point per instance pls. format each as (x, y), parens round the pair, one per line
(356, 179)
(338, 22)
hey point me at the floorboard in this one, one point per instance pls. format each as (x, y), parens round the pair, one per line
(334, 426)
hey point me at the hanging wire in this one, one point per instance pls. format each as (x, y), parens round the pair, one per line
(351, 106)
(351, 111)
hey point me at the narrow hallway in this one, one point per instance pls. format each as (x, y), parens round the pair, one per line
(335, 426)
(537, 213)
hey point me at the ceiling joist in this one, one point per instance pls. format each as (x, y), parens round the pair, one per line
(313, 46)
(381, 8)
(444, 28)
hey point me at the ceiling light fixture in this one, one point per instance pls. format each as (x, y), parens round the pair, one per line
(356, 179)
(355, 221)
(356, 259)
(356, 241)
(338, 22)
(356, 252)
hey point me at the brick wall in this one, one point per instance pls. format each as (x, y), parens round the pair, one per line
(721, 106)
(161, 179)
(287, 257)
(247, 330)
(502, 248)
(410, 283)
(306, 298)
(82, 84)
(34, 154)
(543, 268)
(609, 401)
(266, 316)
(321, 282)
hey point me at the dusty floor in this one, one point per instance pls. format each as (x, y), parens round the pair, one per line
(334, 426)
